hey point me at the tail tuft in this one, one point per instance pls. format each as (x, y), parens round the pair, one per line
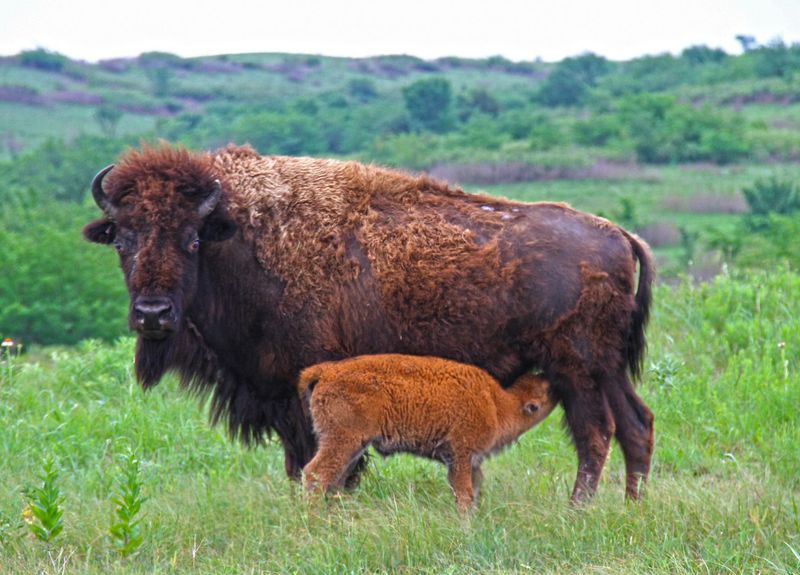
(637, 343)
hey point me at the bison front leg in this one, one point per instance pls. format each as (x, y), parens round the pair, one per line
(591, 424)
(296, 436)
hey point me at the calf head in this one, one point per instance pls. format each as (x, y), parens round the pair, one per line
(535, 397)
(161, 206)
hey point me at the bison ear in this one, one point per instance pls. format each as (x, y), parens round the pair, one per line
(217, 229)
(100, 231)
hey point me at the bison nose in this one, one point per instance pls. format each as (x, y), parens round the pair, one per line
(152, 314)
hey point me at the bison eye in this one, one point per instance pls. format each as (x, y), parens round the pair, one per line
(193, 246)
(118, 246)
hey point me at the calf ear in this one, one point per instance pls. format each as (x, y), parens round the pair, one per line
(217, 229)
(100, 231)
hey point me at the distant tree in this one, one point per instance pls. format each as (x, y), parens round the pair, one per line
(60, 170)
(43, 60)
(288, 132)
(362, 89)
(777, 59)
(160, 78)
(160, 60)
(108, 118)
(702, 54)
(478, 100)
(663, 130)
(598, 130)
(428, 103)
(747, 42)
(158, 68)
(544, 134)
(571, 79)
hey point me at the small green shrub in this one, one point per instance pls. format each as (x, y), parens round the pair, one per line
(773, 195)
(44, 513)
(126, 527)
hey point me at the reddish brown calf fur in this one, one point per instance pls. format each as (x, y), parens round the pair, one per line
(451, 412)
(244, 269)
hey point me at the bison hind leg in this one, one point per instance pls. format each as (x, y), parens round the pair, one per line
(591, 424)
(634, 432)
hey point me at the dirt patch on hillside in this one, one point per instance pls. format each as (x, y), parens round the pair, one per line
(513, 172)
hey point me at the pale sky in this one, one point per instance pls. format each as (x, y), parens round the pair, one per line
(517, 29)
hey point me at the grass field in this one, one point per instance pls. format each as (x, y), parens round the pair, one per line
(723, 496)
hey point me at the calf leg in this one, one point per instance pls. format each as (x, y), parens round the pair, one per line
(352, 477)
(477, 480)
(592, 425)
(327, 469)
(459, 474)
(634, 432)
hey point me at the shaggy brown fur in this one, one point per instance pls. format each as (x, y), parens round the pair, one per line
(305, 260)
(454, 413)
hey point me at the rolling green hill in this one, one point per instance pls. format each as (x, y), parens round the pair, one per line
(667, 146)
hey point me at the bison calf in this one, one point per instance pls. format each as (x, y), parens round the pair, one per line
(454, 413)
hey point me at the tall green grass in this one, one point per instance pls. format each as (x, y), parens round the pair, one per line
(723, 496)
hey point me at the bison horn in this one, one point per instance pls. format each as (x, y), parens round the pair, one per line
(211, 201)
(99, 195)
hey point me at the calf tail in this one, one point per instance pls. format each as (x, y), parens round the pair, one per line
(637, 343)
(306, 383)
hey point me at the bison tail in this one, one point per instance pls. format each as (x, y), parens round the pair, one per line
(637, 344)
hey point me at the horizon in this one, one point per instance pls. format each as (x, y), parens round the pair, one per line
(618, 30)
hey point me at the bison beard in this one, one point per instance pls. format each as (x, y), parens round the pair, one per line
(303, 260)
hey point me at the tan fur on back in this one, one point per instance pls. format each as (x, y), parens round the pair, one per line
(300, 212)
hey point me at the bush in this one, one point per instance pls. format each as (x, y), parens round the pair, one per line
(544, 134)
(770, 196)
(362, 89)
(428, 103)
(702, 54)
(42, 59)
(571, 79)
(776, 59)
(55, 287)
(662, 131)
(57, 170)
(597, 131)
(290, 133)
(476, 101)
(480, 132)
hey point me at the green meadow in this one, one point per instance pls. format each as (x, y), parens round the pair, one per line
(697, 153)
(722, 378)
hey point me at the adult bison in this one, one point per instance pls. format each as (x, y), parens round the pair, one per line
(242, 270)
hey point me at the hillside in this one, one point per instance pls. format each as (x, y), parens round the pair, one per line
(698, 153)
(51, 96)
